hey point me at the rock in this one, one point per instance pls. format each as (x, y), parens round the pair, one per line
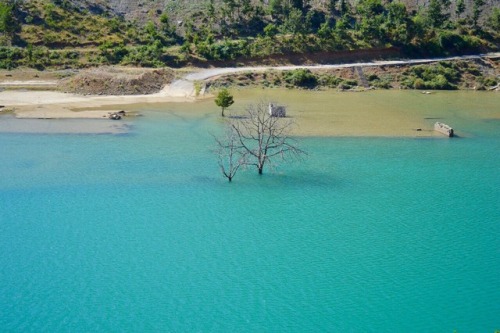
(115, 116)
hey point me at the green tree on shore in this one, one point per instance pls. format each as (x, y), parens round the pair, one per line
(224, 100)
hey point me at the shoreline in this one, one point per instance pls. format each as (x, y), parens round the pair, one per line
(315, 108)
(383, 113)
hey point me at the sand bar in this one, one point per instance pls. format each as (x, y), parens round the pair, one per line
(55, 105)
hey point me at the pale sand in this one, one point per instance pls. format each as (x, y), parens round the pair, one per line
(30, 83)
(56, 105)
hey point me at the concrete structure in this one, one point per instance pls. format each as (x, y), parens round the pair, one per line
(444, 129)
(277, 110)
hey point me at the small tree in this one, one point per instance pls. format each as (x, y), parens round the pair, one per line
(460, 8)
(436, 14)
(494, 20)
(264, 139)
(8, 23)
(224, 100)
(476, 11)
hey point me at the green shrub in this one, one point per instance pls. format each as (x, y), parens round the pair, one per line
(330, 81)
(10, 57)
(383, 84)
(440, 82)
(419, 84)
(348, 84)
(452, 42)
(488, 81)
(443, 75)
(300, 78)
(113, 52)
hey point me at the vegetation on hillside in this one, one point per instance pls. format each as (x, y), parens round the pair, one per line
(444, 75)
(41, 34)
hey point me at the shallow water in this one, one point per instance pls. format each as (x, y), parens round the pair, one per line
(381, 113)
(139, 232)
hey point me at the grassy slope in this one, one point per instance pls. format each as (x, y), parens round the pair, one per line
(57, 27)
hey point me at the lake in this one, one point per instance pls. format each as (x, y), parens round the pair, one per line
(375, 230)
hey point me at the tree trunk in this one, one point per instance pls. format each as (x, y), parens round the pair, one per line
(222, 112)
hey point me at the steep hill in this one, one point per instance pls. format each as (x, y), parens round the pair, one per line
(155, 33)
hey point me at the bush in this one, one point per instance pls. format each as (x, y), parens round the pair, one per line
(10, 57)
(113, 53)
(146, 56)
(439, 82)
(301, 78)
(383, 84)
(488, 81)
(452, 42)
(348, 84)
(438, 76)
(330, 81)
(419, 84)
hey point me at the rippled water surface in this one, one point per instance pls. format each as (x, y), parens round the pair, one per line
(139, 232)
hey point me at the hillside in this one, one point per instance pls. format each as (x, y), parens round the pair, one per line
(142, 11)
(155, 33)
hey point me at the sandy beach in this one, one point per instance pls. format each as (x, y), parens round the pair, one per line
(56, 105)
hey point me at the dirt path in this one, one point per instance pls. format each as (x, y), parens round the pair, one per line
(29, 83)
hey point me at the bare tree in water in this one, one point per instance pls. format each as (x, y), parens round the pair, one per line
(257, 138)
(230, 155)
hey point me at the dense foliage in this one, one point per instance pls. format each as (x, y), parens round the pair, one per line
(56, 33)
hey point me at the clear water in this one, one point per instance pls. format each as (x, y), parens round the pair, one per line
(139, 232)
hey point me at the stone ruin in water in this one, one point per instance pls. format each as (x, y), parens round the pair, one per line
(277, 110)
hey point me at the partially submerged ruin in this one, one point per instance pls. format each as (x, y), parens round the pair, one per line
(444, 129)
(277, 110)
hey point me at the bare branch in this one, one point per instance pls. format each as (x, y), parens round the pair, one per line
(264, 137)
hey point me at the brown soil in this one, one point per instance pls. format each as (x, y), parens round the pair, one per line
(114, 81)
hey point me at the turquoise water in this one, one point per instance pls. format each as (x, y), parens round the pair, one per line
(139, 232)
